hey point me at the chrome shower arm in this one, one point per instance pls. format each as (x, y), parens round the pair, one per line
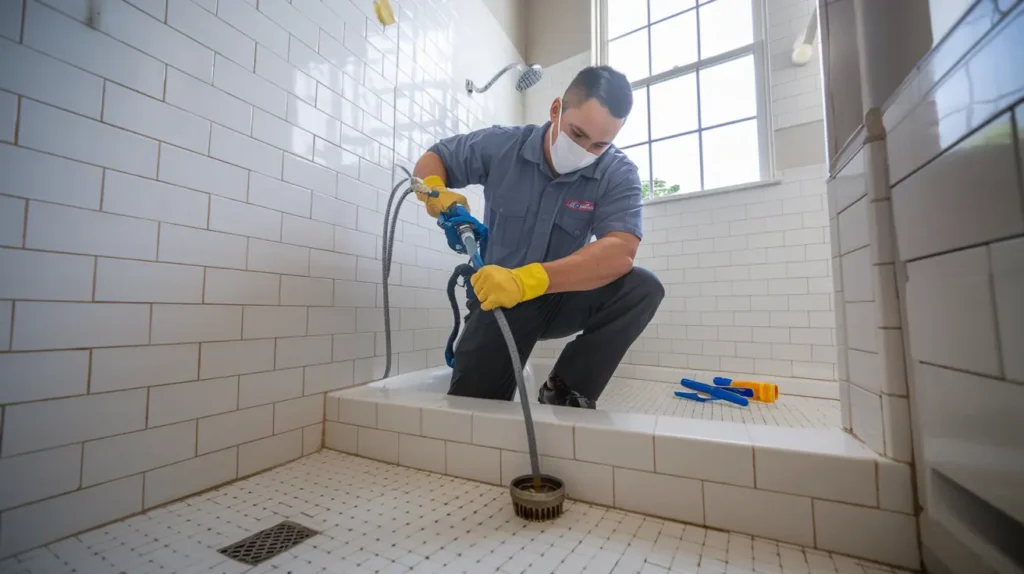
(471, 87)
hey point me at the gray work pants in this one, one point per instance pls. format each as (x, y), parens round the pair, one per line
(610, 318)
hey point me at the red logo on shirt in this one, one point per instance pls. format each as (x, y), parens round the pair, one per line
(578, 205)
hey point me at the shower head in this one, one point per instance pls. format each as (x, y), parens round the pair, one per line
(528, 77)
(803, 48)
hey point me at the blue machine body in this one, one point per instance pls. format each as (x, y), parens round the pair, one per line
(453, 221)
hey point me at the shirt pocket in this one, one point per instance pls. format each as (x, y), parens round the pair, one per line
(571, 231)
(506, 245)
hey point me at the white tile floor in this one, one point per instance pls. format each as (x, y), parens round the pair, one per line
(656, 398)
(375, 517)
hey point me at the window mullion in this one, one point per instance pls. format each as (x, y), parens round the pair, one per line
(683, 70)
(693, 131)
(700, 121)
(766, 144)
(647, 94)
(600, 46)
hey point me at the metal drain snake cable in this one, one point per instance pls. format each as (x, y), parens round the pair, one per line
(517, 369)
(469, 241)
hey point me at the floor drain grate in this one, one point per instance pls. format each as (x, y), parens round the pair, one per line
(268, 543)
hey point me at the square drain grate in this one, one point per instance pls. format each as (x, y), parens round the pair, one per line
(268, 543)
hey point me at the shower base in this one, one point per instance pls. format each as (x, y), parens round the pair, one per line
(814, 487)
(656, 398)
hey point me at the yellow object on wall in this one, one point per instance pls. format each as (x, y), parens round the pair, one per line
(384, 13)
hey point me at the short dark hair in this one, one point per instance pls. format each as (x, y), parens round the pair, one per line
(607, 85)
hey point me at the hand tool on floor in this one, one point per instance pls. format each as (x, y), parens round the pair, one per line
(761, 391)
(735, 396)
(536, 496)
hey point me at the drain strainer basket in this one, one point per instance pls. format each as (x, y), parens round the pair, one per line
(537, 504)
(268, 543)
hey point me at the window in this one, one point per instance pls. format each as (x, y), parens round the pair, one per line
(699, 118)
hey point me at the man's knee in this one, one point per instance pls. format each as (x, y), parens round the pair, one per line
(646, 285)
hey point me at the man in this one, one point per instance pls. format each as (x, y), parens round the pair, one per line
(548, 189)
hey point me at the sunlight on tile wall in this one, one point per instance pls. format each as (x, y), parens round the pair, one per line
(191, 208)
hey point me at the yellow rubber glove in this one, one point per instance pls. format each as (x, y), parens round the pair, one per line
(433, 186)
(501, 287)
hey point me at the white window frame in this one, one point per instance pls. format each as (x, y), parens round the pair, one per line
(599, 55)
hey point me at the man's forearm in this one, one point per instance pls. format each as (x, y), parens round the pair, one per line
(595, 265)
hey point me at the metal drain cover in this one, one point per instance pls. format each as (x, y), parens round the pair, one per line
(268, 543)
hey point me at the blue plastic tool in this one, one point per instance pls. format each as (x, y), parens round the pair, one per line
(453, 222)
(732, 395)
(741, 391)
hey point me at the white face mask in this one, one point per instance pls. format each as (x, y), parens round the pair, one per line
(566, 155)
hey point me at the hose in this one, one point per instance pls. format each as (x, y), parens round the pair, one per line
(469, 240)
(387, 249)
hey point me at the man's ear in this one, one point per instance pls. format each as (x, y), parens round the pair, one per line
(556, 108)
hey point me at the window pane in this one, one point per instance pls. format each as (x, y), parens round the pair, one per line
(665, 8)
(641, 156)
(676, 165)
(674, 42)
(725, 25)
(628, 55)
(674, 106)
(634, 131)
(728, 92)
(731, 155)
(625, 16)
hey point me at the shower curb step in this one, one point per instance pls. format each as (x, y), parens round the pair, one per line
(819, 488)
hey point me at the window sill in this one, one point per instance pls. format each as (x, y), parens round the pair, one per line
(716, 191)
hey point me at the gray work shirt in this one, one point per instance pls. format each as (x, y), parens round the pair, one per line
(532, 215)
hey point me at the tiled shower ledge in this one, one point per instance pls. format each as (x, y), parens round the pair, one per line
(812, 487)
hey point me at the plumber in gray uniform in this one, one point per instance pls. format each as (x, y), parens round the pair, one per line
(548, 190)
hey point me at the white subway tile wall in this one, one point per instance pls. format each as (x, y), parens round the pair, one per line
(870, 337)
(743, 302)
(795, 90)
(192, 203)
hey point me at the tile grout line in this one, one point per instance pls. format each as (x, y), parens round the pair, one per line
(1001, 360)
(17, 118)
(81, 467)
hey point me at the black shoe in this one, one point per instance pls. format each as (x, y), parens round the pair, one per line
(555, 392)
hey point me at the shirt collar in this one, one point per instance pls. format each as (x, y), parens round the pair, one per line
(534, 151)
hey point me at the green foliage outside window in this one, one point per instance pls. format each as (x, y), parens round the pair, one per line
(660, 188)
